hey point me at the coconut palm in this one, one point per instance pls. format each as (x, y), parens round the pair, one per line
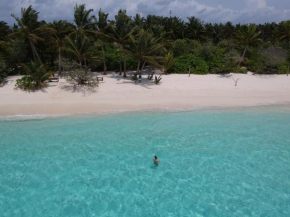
(145, 48)
(283, 32)
(247, 36)
(82, 17)
(29, 29)
(102, 26)
(4, 30)
(195, 29)
(60, 30)
(81, 48)
(120, 31)
(169, 61)
(36, 76)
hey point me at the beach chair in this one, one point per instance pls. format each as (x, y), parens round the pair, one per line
(53, 79)
(99, 78)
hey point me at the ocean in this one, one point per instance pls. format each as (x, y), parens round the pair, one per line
(213, 162)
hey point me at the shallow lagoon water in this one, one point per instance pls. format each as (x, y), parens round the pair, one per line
(232, 162)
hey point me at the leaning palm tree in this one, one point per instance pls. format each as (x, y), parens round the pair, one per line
(145, 48)
(247, 36)
(29, 29)
(60, 30)
(120, 31)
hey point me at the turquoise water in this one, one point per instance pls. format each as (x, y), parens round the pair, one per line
(213, 163)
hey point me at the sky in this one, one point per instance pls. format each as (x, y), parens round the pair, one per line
(214, 11)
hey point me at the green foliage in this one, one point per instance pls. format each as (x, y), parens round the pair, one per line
(112, 54)
(169, 61)
(80, 77)
(135, 77)
(214, 56)
(283, 69)
(230, 62)
(35, 78)
(185, 46)
(3, 70)
(198, 65)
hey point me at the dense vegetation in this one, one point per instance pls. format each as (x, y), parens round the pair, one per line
(36, 48)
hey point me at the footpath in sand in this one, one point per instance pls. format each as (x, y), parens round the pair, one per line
(122, 94)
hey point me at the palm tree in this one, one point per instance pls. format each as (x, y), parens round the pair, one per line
(169, 62)
(144, 47)
(81, 48)
(247, 36)
(101, 33)
(29, 29)
(195, 29)
(60, 30)
(283, 32)
(37, 75)
(120, 31)
(4, 30)
(82, 17)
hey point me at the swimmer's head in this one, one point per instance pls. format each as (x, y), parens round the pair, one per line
(155, 157)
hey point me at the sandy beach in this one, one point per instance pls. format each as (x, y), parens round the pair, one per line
(122, 94)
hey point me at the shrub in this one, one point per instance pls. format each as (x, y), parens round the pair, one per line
(198, 65)
(283, 69)
(182, 47)
(35, 78)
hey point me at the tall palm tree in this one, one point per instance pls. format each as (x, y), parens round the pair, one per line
(247, 36)
(81, 48)
(82, 17)
(145, 48)
(29, 29)
(120, 31)
(283, 32)
(102, 26)
(195, 29)
(60, 30)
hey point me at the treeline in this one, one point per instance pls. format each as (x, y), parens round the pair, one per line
(125, 43)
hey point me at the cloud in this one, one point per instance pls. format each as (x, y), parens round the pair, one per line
(247, 11)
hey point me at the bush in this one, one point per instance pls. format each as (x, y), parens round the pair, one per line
(3, 70)
(283, 69)
(198, 65)
(36, 77)
(182, 47)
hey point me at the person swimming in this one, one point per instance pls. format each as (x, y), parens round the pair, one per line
(155, 160)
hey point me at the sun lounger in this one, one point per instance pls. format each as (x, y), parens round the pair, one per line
(100, 78)
(53, 79)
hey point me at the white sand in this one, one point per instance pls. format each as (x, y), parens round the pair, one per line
(174, 92)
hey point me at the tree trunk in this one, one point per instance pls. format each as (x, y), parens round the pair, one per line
(30, 43)
(189, 71)
(86, 68)
(142, 67)
(138, 66)
(59, 61)
(104, 60)
(120, 72)
(35, 54)
(125, 63)
(242, 57)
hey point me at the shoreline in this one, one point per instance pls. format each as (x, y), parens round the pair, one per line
(281, 107)
(176, 92)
